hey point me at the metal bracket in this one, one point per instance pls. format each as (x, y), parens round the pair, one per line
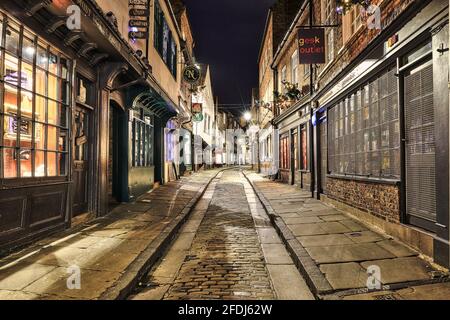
(320, 26)
(32, 8)
(55, 24)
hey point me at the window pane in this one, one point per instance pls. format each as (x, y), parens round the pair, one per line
(51, 164)
(51, 138)
(39, 134)
(64, 66)
(26, 131)
(40, 108)
(41, 80)
(10, 163)
(28, 49)
(12, 40)
(62, 140)
(27, 76)
(26, 104)
(52, 87)
(53, 63)
(25, 163)
(10, 136)
(11, 69)
(65, 96)
(42, 59)
(62, 164)
(52, 112)
(1, 33)
(62, 115)
(39, 164)
(10, 99)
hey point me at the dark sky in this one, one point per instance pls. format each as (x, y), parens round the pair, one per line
(228, 36)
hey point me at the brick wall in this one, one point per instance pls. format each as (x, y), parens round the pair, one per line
(380, 200)
(359, 41)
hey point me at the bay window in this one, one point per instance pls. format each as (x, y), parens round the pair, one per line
(364, 131)
(34, 104)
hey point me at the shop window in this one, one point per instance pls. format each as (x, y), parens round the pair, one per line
(164, 41)
(364, 131)
(284, 152)
(142, 142)
(34, 111)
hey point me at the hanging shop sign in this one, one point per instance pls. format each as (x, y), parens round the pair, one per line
(197, 108)
(191, 74)
(197, 117)
(139, 19)
(311, 42)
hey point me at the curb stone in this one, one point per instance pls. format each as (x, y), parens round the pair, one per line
(315, 279)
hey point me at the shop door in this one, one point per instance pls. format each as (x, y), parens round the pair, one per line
(294, 154)
(323, 155)
(82, 157)
(420, 153)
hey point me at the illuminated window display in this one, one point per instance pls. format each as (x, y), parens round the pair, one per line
(34, 93)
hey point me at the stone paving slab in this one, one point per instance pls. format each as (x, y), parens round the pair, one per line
(334, 250)
(345, 275)
(401, 269)
(110, 252)
(347, 253)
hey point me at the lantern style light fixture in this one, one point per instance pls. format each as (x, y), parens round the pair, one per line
(343, 6)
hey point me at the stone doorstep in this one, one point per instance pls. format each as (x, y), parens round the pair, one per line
(122, 282)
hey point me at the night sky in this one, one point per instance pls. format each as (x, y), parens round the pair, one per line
(228, 35)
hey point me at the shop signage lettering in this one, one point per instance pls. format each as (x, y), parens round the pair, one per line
(191, 74)
(311, 44)
(139, 12)
(138, 34)
(138, 23)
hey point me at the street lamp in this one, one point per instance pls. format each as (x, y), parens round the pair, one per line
(247, 116)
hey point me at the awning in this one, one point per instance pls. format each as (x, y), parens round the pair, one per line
(152, 101)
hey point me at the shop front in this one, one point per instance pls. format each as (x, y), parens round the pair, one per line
(35, 111)
(295, 145)
(385, 128)
(63, 118)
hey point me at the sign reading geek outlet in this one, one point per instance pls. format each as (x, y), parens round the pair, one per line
(311, 44)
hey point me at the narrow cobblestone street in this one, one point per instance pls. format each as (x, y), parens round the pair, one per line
(227, 250)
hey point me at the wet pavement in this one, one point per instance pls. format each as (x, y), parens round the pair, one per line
(99, 259)
(227, 250)
(339, 255)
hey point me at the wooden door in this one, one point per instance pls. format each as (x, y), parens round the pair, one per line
(82, 157)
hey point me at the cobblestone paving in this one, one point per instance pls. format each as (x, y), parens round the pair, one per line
(225, 260)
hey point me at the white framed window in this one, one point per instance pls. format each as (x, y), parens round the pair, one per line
(283, 77)
(351, 22)
(294, 67)
(328, 18)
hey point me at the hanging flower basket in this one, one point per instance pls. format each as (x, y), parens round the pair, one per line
(343, 6)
